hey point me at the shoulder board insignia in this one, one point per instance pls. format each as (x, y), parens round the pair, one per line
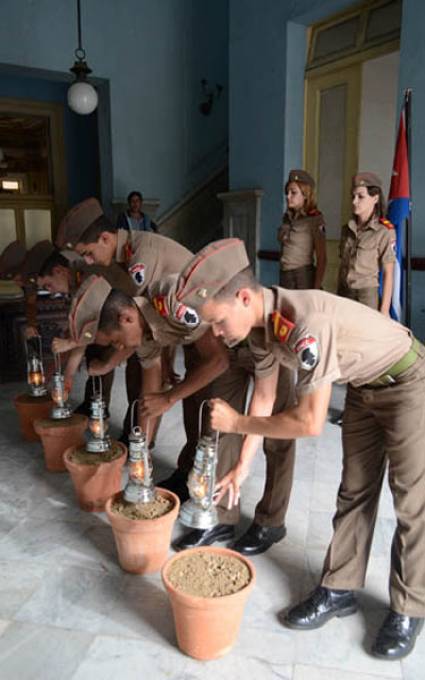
(314, 213)
(78, 277)
(282, 328)
(386, 223)
(128, 251)
(160, 304)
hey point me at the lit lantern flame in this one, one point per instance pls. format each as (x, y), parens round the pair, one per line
(98, 427)
(137, 470)
(36, 378)
(198, 485)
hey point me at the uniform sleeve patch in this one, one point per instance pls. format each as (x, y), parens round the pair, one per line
(160, 304)
(137, 272)
(282, 328)
(187, 315)
(307, 351)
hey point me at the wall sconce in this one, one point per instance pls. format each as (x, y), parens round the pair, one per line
(209, 94)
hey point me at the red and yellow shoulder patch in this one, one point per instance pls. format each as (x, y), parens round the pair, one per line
(128, 251)
(282, 328)
(386, 223)
(160, 304)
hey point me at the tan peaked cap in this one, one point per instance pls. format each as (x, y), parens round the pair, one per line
(86, 309)
(35, 258)
(366, 179)
(76, 221)
(210, 270)
(12, 258)
(301, 176)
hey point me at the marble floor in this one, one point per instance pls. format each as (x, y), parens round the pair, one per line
(67, 611)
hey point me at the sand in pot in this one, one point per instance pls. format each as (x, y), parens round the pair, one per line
(209, 574)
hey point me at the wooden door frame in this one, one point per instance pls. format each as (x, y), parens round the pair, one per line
(57, 201)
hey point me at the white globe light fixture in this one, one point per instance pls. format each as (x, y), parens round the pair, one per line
(82, 96)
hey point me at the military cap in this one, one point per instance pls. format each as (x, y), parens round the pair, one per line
(366, 179)
(210, 270)
(86, 309)
(34, 260)
(12, 258)
(301, 176)
(77, 221)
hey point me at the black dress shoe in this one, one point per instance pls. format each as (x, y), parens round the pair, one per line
(177, 483)
(397, 635)
(258, 539)
(198, 537)
(322, 605)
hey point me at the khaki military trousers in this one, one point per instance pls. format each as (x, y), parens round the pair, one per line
(367, 296)
(381, 426)
(233, 386)
(301, 278)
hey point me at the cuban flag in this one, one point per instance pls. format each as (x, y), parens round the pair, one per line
(399, 211)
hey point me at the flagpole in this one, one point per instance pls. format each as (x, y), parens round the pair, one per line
(408, 252)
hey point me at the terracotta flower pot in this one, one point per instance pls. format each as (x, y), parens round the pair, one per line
(94, 484)
(29, 409)
(207, 627)
(58, 435)
(143, 544)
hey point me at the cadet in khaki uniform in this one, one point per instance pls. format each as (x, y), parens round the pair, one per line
(58, 274)
(136, 324)
(147, 257)
(367, 246)
(329, 339)
(302, 235)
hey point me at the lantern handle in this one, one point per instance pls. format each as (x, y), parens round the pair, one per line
(93, 378)
(40, 347)
(201, 413)
(136, 401)
(58, 365)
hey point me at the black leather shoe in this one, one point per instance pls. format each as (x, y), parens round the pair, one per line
(258, 539)
(397, 635)
(177, 483)
(322, 605)
(198, 537)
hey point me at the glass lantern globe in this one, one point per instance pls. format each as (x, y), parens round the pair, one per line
(82, 98)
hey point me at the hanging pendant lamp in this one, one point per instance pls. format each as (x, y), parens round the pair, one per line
(82, 96)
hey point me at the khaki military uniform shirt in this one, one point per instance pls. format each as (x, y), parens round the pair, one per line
(363, 252)
(168, 322)
(114, 274)
(297, 237)
(326, 338)
(149, 256)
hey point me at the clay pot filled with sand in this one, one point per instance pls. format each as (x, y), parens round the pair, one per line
(29, 409)
(208, 588)
(96, 476)
(59, 435)
(142, 532)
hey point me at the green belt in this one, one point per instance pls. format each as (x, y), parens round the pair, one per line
(389, 377)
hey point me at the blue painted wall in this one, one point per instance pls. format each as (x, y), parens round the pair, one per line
(154, 54)
(81, 148)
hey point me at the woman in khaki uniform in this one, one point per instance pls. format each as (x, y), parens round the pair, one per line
(367, 246)
(301, 235)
